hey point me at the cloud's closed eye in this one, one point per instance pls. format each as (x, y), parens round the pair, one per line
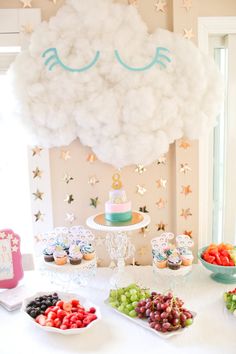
(53, 60)
(158, 59)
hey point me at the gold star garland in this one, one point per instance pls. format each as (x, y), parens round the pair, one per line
(161, 226)
(65, 155)
(185, 213)
(160, 5)
(186, 190)
(69, 198)
(94, 202)
(141, 190)
(38, 195)
(161, 203)
(187, 4)
(140, 169)
(91, 158)
(67, 178)
(184, 168)
(26, 3)
(161, 183)
(39, 216)
(37, 173)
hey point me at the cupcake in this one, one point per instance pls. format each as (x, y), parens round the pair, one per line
(174, 261)
(186, 256)
(75, 255)
(87, 251)
(60, 255)
(64, 243)
(159, 259)
(48, 253)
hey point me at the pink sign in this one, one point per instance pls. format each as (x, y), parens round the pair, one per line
(11, 270)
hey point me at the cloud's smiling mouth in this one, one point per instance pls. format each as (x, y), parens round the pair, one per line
(53, 59)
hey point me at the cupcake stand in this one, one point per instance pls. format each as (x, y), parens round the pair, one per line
(118, 243)
(68, 277)
(167, 278)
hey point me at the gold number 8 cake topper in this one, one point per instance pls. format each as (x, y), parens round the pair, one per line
(117, 184)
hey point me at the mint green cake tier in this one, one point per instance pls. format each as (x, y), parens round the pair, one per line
(118, 217)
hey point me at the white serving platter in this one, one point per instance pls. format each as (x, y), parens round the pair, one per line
(65, 297)
(144, 323)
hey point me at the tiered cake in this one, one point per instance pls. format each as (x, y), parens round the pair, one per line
(117, 208)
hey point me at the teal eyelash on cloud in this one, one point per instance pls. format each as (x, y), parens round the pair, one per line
(158, 59)
(52, 59)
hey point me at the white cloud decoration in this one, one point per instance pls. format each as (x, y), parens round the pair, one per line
(126, 117)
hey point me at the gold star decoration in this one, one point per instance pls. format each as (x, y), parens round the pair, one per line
(186, 190)
(143, 209)
(26, 3)
(160, 5)
(94, 202)
(15, 241)
(140, 189)
(37, 173)
(144, 231)
(142, 251)
(187, 4)
(188, 33)
(184, 167)
(184, 144)
(185, 213)
(27, 29)
(54, 1)
(69, 198)
(36, 151)
(14, 248)
(38, 216)
(112, 265)
(161, 203)
(140, 169)
(9, 237)
(65, 155)
(161, 183)
(91, 158)
(161, 160)
(133, 2)
(93, 180)
(67, 178)
(161, 226)
(188, 233)
(38, 195)
(70, 217)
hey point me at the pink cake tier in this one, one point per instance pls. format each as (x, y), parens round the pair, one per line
(117, 208)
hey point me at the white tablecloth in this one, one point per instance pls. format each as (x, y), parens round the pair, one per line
(213, 331)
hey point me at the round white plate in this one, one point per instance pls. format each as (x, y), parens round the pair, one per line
(66, 297)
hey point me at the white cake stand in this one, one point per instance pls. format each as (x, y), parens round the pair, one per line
(118, 243)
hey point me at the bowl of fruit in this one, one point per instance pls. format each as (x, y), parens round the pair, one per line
(61, 312)
(221, 261)
(163, 314)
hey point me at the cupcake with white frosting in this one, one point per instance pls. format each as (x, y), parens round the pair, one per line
(87, 251)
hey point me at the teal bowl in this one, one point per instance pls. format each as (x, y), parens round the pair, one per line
(221, 274)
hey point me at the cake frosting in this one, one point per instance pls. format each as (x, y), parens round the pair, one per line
(117, 208)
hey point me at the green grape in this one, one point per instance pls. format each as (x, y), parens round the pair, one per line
(188, 322)
(133, 313)
(133, 298)
(130, 307)
(134, 304)
(121, 308)
(113, 304)
(123, 298)
(133, 291)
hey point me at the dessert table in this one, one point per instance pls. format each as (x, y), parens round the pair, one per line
(213, 330)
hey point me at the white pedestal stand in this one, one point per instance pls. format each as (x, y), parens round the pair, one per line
(117, 242)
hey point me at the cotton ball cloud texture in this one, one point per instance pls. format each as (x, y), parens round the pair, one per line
(125, 116)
